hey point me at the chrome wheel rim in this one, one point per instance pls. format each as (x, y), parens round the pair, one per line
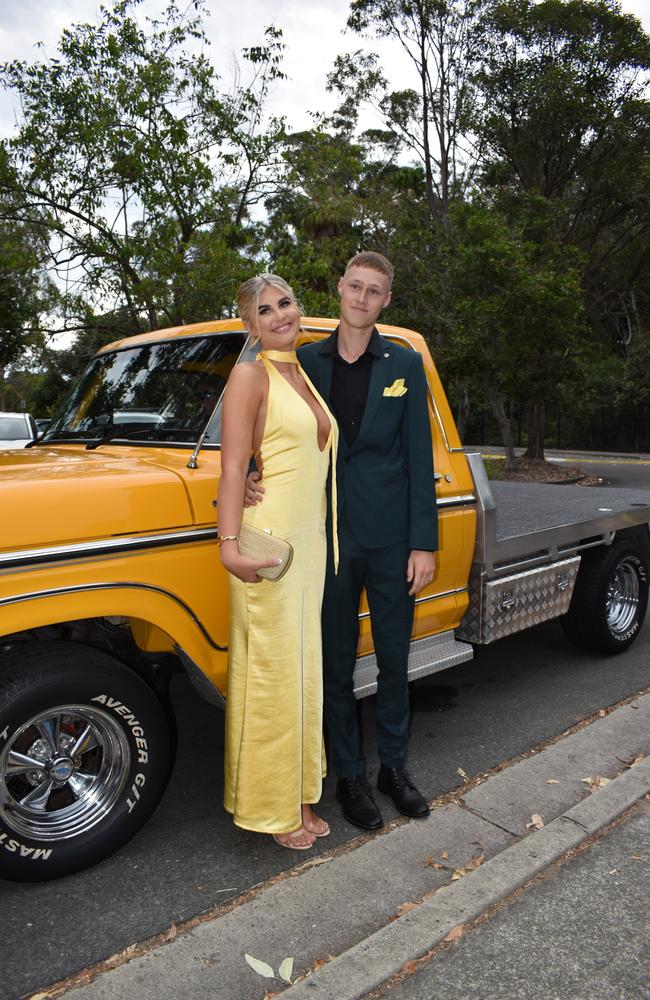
(622, 598)
(62, 772)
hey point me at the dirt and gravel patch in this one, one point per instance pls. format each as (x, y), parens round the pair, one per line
(534, 470)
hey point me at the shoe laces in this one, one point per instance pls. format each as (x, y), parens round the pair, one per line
(401, 777)
(357, 783)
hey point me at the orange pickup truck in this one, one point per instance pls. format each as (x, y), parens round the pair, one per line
(110, 582)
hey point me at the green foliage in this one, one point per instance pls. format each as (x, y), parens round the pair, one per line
(24, 291)
(517, 302)
(142, 162)
(508, 181)
(432, 120)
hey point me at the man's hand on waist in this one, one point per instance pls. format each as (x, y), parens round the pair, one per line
(253, 491)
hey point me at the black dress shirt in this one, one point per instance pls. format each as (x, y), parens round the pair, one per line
(350, 384)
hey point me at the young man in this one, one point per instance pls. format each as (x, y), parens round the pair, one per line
(387, 532)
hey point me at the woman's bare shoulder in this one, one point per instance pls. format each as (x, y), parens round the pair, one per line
(250, 371)
(247, 374)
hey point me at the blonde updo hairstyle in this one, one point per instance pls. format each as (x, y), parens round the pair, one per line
(248, 298)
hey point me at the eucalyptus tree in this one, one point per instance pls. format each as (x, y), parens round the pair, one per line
(25, 292)
(142, 165)
(432, 119)
(564, 117)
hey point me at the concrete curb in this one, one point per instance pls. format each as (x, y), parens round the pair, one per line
(355, 973)
(345, 904)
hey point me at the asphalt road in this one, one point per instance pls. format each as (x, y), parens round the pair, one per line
(626, 471)
(189, 858)
(621, 471)
(579, 933)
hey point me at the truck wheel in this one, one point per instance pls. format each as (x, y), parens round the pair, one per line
(85, 755)
(610, 597)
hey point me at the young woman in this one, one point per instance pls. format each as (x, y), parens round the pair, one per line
(274, 744)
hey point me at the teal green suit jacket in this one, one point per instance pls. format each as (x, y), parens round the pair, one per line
(385, 480)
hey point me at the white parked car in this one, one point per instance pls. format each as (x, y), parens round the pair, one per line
(16, 430)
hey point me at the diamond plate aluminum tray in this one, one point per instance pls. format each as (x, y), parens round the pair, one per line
(512, 603)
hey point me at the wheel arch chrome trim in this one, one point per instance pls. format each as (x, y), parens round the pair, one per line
(38, 595)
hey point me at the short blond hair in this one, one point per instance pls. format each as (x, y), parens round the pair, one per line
(373, 260)
(248, 297)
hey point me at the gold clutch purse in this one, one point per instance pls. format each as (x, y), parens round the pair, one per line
(262, 545)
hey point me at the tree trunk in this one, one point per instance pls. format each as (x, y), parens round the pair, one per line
(535, 414)
(502, 419)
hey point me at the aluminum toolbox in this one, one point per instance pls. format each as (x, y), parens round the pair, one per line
(512, 603)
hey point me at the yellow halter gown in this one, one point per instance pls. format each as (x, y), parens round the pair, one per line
(274, 758)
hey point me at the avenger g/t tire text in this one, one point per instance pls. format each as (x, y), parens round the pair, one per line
(85, 756)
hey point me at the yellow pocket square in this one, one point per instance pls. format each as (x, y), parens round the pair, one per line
(396, 389)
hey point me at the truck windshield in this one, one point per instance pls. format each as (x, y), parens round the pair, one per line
(160, 392)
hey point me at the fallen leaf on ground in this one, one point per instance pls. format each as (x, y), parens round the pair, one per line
(613, 871)
(471, 866)
(602, 713)
(636, 857)
(596, 782)
(434, 864)
(552, 781)
(455, 934)
(171, 933)
(286, 970)
(405, 908)
(445, 855)
(261, 968)
(462, 773)
(409, 967)
(536, 822)
(635, 760)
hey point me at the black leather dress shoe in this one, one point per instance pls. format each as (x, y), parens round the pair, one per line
(359, 807)
(395, 781)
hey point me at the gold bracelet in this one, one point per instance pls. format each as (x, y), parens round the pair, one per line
(226, 538)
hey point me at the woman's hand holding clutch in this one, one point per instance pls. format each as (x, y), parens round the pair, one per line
(243, 567)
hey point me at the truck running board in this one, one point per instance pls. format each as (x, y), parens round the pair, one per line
(427, 656)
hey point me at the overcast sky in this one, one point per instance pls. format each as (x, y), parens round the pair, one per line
(313, 30)
(314, 34)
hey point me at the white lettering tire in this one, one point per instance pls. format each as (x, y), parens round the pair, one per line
(85, 755)
(610, 599)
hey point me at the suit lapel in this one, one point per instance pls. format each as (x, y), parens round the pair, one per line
(379, 379)
(324, 365)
